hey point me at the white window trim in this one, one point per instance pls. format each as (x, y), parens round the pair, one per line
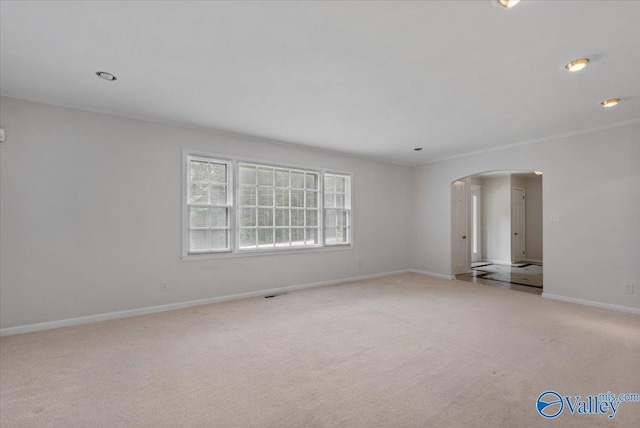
(234, 252)
(319, 190)
(349, 192)
(185, 201)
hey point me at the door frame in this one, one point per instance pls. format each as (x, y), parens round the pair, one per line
(466, 258)
(523, 224)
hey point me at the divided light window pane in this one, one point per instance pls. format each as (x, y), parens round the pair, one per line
(208, 205)
(337, 212)
(275, 207)
(278, 207)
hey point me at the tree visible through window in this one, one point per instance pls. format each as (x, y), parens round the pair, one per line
(208, 205)
(279, 207)
(337, 212)
(239, 206)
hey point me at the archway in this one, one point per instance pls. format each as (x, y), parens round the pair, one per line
(496, 229)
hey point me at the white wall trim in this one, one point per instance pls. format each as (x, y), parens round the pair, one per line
(269, 252)
(180, 305)
(609, 306)
(497, 262)
(437, 275)
(534, 141)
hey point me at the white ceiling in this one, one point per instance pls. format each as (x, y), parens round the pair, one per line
(375, 79)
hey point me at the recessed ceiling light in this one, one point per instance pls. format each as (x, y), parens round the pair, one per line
(610, 102)
(106, 76)
(538, 172)
(577, 65)
(508, 3)
(417, 149)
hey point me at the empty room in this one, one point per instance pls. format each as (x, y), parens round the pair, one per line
(320, 213)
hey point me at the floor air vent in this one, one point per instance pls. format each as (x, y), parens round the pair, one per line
(276, 295)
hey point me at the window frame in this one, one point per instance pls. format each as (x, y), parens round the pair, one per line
(319, 217)
(234, 212)
(348, 207)
(186, 252)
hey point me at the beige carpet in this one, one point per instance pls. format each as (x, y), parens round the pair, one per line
(401, 351)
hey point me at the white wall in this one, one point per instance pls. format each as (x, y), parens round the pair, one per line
(591, 179)
(533, 214)
(496, 219)
(90, 216)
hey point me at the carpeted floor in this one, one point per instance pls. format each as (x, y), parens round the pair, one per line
(400, 351)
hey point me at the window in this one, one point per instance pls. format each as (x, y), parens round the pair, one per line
(238, 206)
(279, 207)
(337, 209)
(208, 205)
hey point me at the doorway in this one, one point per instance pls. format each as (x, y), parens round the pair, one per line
(496, 229)
(459, 230)
(476, 223)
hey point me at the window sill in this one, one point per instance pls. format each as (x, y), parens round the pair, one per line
(259, 253)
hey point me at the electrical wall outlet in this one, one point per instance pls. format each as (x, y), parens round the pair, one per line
(555, 217)
(164, 287)
(628, 289)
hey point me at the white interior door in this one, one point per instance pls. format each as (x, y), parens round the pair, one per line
(476, 222)
(459, 221)
(517, 224)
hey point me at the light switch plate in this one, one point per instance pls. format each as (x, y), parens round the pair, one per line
(555, 217)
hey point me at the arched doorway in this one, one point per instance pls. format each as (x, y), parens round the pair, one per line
(496, 229)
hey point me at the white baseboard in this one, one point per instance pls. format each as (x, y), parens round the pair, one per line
(180, 305)
(497, 262)
(610, 306)
(504, 262)
(437, 275)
